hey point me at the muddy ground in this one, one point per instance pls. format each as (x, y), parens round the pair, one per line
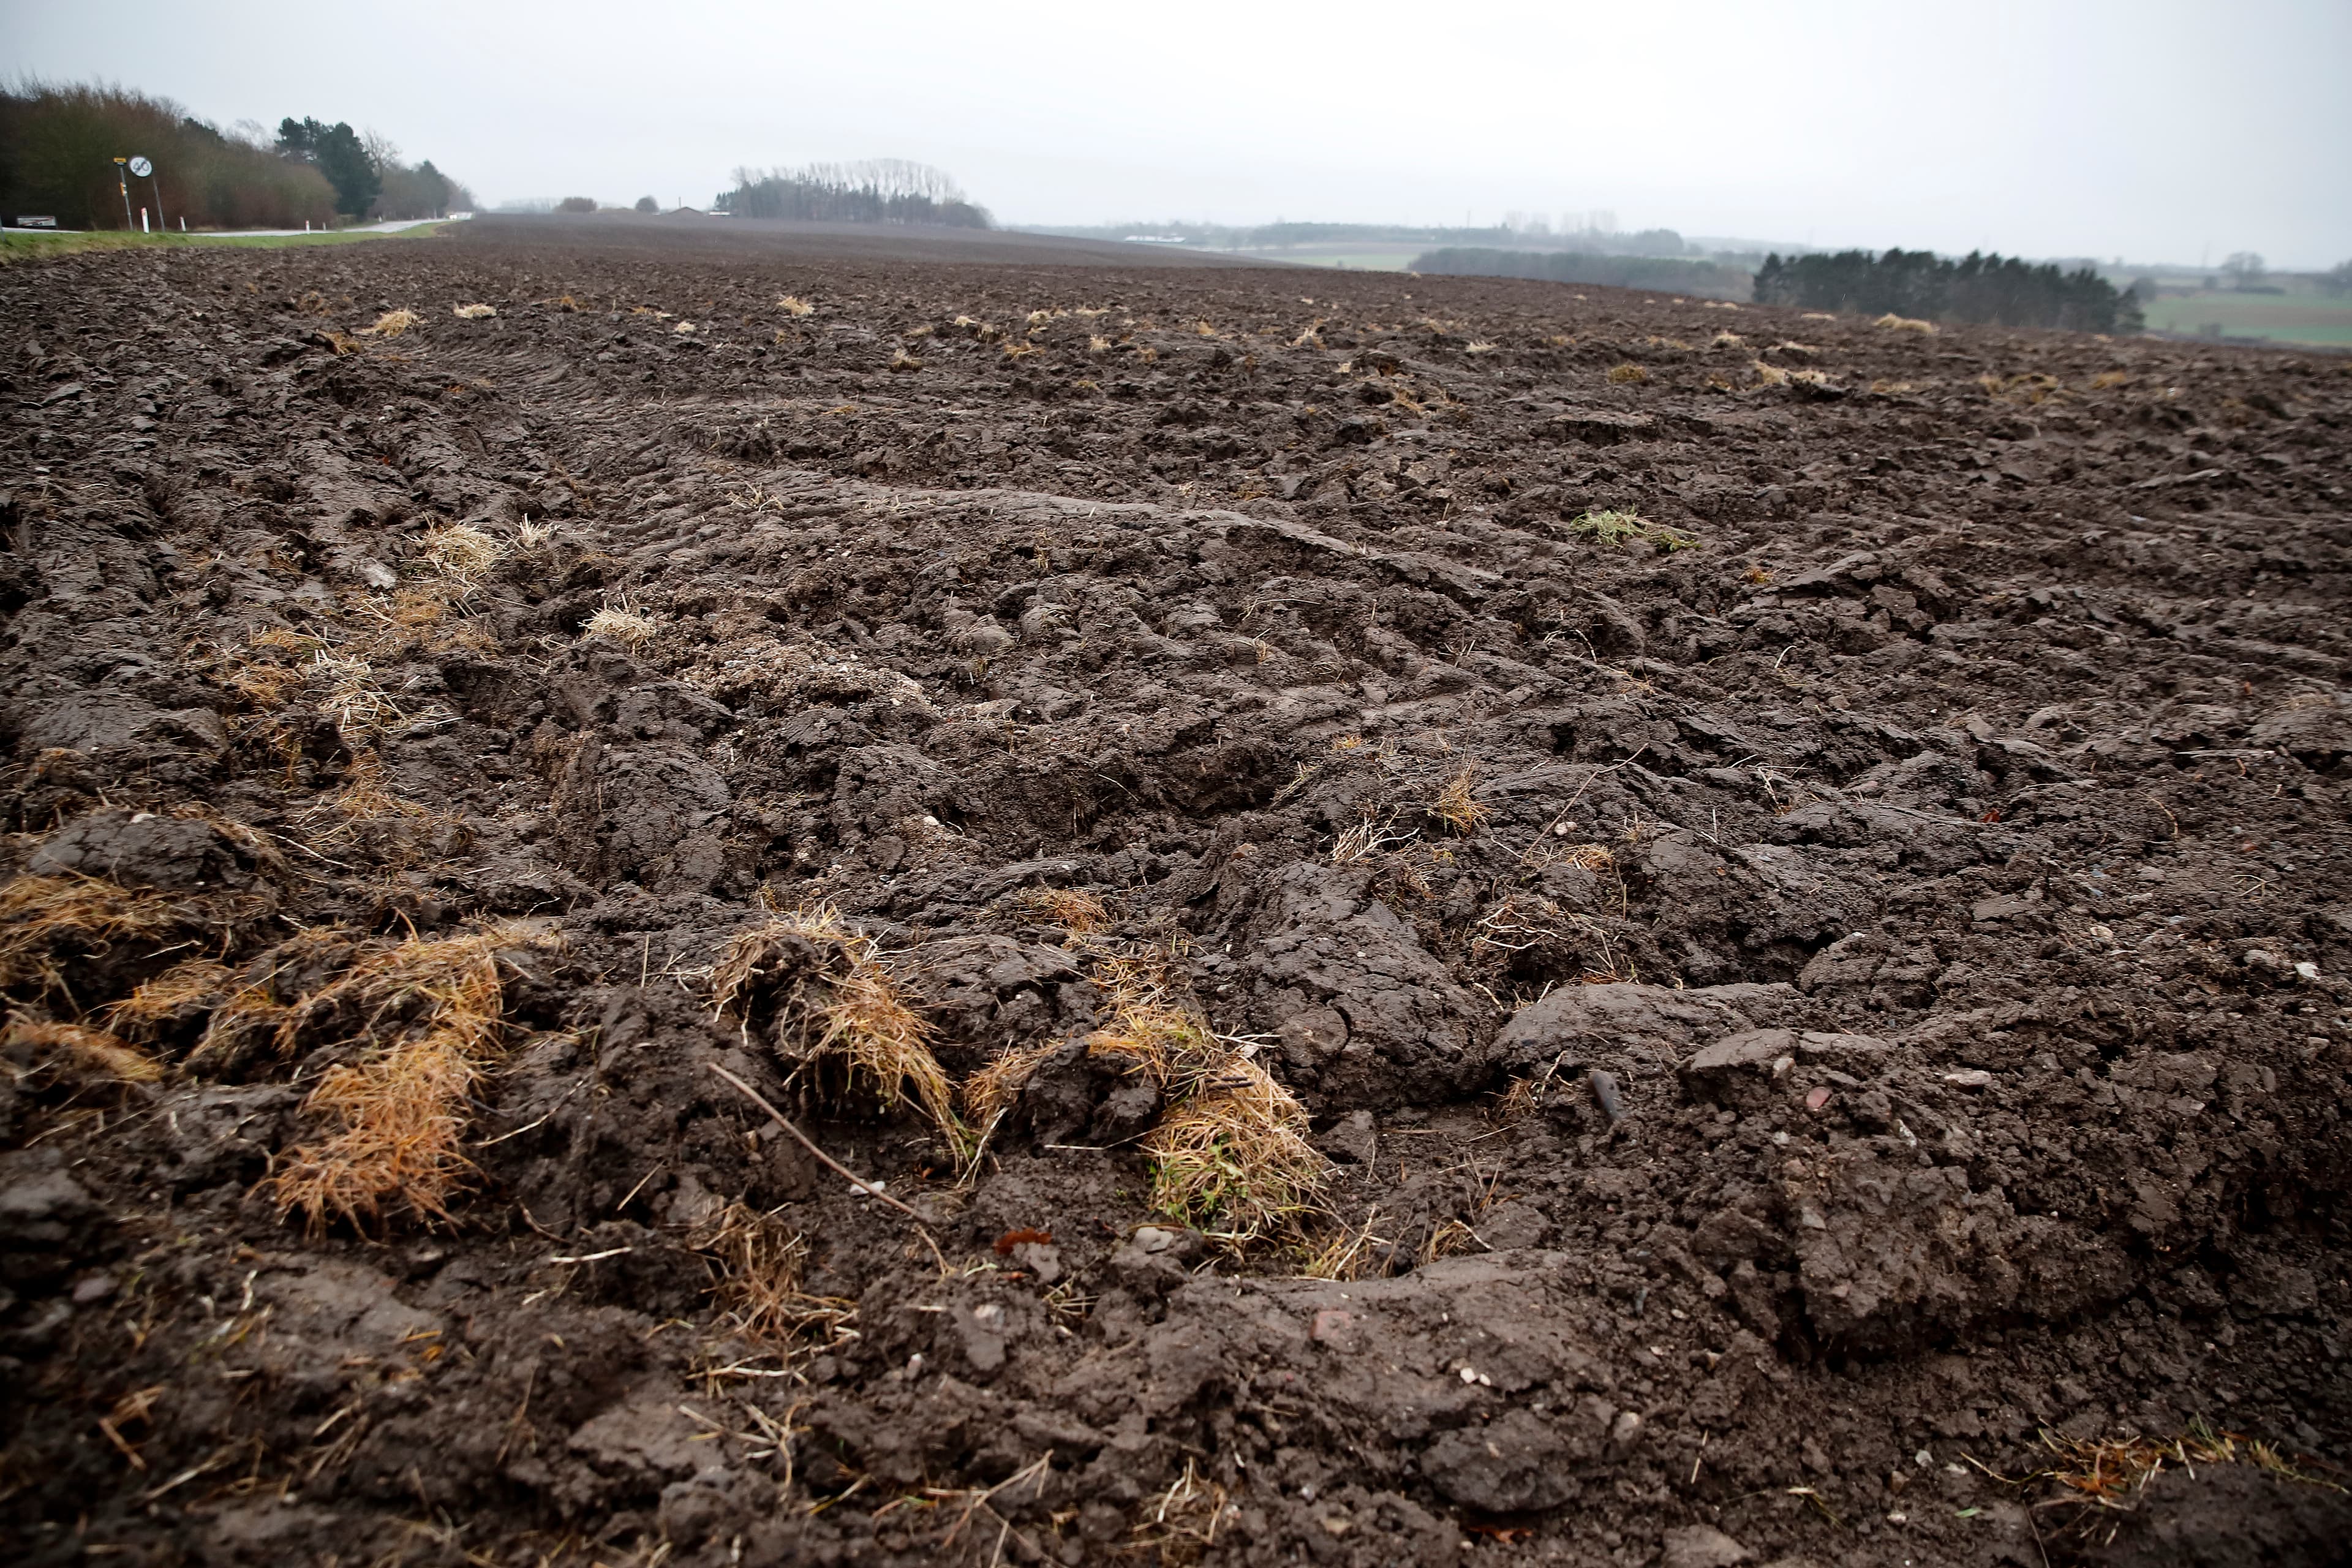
(1821, 1011)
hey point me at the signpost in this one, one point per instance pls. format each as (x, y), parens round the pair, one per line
(124, 181)
(142, 169)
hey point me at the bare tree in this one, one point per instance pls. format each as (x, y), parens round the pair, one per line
(2245, 269)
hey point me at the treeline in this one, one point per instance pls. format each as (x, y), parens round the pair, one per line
(369, 178)
(58, 143)
(881, 190)
(1708, 280)
(1978, 289)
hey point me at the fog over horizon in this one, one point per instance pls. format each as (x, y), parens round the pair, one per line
(2160, 131)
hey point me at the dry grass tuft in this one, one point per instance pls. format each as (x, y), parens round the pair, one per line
(266, 686)
(262, 1007)
(1614, 527)
(354, 699)
(1372, 833)
(80, 1052)
(1347, 1254)
(473, 313)
(39, 916)
(861, 1025)
(1456, 807)
(2108, 1472)
(621, 625)
(1233, 1155)
(427, 1020)
(761, 1263)
(1520, 1100)
(1180, 1525)
(1627, 375)
(1894, 323)
(792, 305)
(180, 990)
(992, 1092)
(366, 797)
(1079, 913)
(903, 361)
(1727, 341)
(460, 551)
(1768, 375)
(1154, 1026)
(392, 323)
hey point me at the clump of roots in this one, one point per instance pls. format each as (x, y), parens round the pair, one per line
(759, 1263)
(425, 1021)
(836, 1011)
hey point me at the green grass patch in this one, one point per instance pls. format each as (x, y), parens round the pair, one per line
(31, 245)
(2281, 318)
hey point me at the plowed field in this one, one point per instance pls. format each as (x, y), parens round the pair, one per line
(781, 903)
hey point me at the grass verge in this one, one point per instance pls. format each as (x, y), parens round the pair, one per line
(31, 245)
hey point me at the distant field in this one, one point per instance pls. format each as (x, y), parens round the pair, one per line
(1355, 257)
(2286, 318)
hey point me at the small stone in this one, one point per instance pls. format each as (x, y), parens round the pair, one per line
(1701, 1546)
(92, 1288)
(1330, 1323)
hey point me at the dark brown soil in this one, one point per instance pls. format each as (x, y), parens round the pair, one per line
(1892, 1018)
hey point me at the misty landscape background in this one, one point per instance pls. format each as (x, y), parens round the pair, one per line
(1685, 176)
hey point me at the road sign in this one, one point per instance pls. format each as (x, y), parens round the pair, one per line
(141, 167)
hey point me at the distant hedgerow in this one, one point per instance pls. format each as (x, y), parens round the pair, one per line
(1977, 288)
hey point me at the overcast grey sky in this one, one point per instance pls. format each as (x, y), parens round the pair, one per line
(2153, 129)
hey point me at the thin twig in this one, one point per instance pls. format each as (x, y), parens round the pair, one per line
(856, 1181)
